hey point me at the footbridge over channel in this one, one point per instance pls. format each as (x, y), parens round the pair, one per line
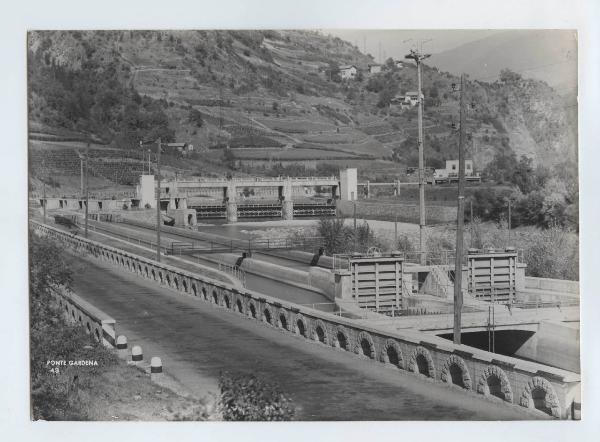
(233, 194)
(512, 380)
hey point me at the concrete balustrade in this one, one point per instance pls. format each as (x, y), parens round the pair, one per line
(95, 321)
(492, 375)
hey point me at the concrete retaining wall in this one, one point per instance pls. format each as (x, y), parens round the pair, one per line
(403, 212)
(552, 285)
(515, 380)
(95, 321)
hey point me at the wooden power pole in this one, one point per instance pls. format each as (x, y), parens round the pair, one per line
(458, 298)
(418, 57)
(158, 215)
(87, 186)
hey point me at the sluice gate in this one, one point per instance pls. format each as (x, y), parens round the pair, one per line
(265, 210)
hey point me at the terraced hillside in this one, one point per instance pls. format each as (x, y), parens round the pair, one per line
(277, 96)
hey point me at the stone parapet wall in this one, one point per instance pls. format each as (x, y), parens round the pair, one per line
(499, 377)
(78, 311)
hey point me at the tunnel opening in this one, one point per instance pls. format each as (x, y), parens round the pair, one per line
(392, 356)
(283, 321)
(456, 375)
(366, 348)
(239, 306)
(253, 311)
(342, 341)
(301, 328)
(504, 342)
(320, 334)
(538, 395)
(422, 365)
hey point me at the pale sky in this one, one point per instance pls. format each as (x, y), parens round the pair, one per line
(394, 44)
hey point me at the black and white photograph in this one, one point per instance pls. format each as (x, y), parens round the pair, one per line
(291, 223)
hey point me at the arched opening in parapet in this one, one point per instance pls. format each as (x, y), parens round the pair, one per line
(160, 276)
(239, 306)
(89, 329)
(215, 297)
(342, 341)
(146, 271)
(168, 280)
(176, 283)
(122, 262)
(190, 219)
(456, 375)
(97, 335)
(538, 395)
(495, 386)
(226, 301)
(204, 294)
(253, 311)
(194, 290)
(140, 269)
(267, 316)
(320, 334)
(366, 348)
(73, 314)
(185, 286)
(392, 356)
(301, 328)
(80, 320)
(153, 275)
(283, 321)
(422, 365)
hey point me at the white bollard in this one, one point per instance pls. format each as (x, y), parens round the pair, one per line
(136, 354)
(156, 370)
(122, 346)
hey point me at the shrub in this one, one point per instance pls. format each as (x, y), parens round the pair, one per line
(404, 244)
(247, 398)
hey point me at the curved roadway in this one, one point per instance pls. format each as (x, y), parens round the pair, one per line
(197, 341)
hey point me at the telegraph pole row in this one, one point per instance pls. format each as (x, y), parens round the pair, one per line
(458, 298)
(158, 216)
(418, 57)
(87, 185)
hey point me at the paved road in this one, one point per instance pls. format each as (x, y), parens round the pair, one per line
(197, 341)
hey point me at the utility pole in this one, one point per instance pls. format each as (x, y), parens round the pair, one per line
(158, 216)
(509, 221)
(87, 186)
(81, 172)
(458, 300)
(418, 57)
(44, 188)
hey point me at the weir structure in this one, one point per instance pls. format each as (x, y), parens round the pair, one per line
(524, 383)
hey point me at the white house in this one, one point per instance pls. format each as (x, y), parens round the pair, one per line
(412, 98)
(374, 68)
(348, 72)
(451, 170)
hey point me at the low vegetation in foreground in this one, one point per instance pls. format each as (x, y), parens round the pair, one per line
(109, 390)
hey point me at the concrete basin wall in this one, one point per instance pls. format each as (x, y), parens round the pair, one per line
(498, 377)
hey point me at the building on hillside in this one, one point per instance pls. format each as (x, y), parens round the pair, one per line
(450, 173)
(348, 72)
(374, 68)
(412, 98)
(182, 148)
(399, 64)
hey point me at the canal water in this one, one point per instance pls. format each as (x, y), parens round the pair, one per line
(198, 341)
